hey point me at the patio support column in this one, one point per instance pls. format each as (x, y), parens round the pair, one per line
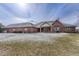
(51, 28)
(40, 29)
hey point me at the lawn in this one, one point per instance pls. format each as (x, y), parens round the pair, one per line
(63, 46)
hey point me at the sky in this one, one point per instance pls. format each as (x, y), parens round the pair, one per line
(11, 13)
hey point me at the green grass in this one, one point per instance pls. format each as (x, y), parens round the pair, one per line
(61, 47)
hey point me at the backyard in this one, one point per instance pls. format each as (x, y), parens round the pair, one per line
(39, 44)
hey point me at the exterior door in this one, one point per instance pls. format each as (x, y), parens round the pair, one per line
(46, 29)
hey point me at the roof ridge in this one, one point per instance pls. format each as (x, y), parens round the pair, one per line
(21, 23)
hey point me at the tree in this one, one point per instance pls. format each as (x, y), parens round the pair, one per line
(1, 27)
(1, 30)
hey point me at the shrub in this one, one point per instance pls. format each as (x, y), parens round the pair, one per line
(1, 30)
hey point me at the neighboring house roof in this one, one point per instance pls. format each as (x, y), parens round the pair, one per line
(20, 25)
(68, 25)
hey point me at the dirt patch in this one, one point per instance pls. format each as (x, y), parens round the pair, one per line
(4, 50)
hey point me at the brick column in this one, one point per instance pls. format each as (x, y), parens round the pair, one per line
(40, 29)
(51, 28)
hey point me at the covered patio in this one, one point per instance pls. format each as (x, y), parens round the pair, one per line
(45, 27)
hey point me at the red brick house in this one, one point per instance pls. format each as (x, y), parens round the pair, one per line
(20, 28)
(46, 26)
(55, 26)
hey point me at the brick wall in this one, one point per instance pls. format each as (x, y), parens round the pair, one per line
(29, 29)
(57, 24)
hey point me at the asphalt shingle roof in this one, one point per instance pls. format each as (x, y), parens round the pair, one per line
(47, 23)
(20, 25)
(38, 25)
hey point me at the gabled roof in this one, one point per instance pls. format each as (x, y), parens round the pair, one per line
(27, 24)
(38, 25)
(45, 24)
(48, 23)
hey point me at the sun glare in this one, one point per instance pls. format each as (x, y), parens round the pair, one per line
(23, 5)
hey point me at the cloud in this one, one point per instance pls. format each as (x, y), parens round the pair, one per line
(18, 19)
(11, 13)
(72, 18)
(56, 12)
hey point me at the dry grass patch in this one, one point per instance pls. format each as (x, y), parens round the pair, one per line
(62, 46)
